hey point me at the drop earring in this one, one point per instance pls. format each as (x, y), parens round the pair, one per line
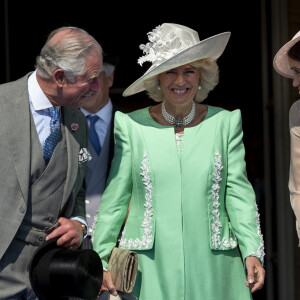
(199, 86)
(158, 87)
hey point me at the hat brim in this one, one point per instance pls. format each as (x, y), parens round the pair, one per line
(281, 63)
(210, 48)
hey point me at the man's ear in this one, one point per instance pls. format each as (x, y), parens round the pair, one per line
(110, 79)
(59, 77)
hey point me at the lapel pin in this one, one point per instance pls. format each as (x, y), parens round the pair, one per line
(74, 126)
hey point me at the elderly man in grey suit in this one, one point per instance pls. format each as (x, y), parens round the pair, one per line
(44, 154)
(99, 113)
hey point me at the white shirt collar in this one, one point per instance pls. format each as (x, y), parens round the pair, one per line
(38, 98)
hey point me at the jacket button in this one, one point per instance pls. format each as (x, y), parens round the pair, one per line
(22, 210)
(40, 238)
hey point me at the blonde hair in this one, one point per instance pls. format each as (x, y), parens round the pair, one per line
(209, 73)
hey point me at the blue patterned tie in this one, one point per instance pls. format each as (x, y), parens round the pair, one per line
(52, 139)
(93, 136)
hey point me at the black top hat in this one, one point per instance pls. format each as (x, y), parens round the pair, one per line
(58, 273)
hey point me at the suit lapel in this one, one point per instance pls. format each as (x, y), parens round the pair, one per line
(73, 147)
(18, 124)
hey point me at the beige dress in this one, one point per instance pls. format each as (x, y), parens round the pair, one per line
(294, 180)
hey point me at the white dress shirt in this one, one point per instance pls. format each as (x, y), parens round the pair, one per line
(39, 105)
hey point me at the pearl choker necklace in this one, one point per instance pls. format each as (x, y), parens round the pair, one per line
(178, 122)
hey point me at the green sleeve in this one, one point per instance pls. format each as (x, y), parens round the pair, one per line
(240, 197)
(116, 197)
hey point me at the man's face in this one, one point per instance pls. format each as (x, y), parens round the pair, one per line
(84, 87)
(99, 99)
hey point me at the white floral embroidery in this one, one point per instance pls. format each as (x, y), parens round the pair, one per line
(260, 253)
(147, 237)
(162, 46)
(179, 142)
(216, 224)
(94, 226)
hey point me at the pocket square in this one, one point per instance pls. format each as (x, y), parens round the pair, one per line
(84, 155)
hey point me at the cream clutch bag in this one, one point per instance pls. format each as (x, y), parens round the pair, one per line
(123, 266)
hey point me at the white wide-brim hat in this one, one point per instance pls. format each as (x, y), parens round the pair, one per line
(174, 45)
(280, 62)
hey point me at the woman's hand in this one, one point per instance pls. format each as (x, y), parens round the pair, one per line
(255, 274)
(107, 284)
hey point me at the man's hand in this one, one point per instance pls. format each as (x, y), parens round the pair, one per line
(69, 233)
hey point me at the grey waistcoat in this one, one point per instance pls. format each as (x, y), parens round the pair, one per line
(46, 190)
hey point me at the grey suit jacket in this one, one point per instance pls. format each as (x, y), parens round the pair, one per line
(15, 150)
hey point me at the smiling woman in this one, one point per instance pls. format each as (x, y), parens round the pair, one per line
(180, 166)
(179, 86)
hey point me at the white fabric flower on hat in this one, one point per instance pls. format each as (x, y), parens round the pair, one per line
(161, 46)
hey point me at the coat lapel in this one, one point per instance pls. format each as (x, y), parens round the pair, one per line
(18, 124)
(73, 147)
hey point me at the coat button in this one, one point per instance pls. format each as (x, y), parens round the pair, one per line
(51, 220)
(22, 210)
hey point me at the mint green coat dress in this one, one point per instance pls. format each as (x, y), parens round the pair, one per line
(193, 218)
